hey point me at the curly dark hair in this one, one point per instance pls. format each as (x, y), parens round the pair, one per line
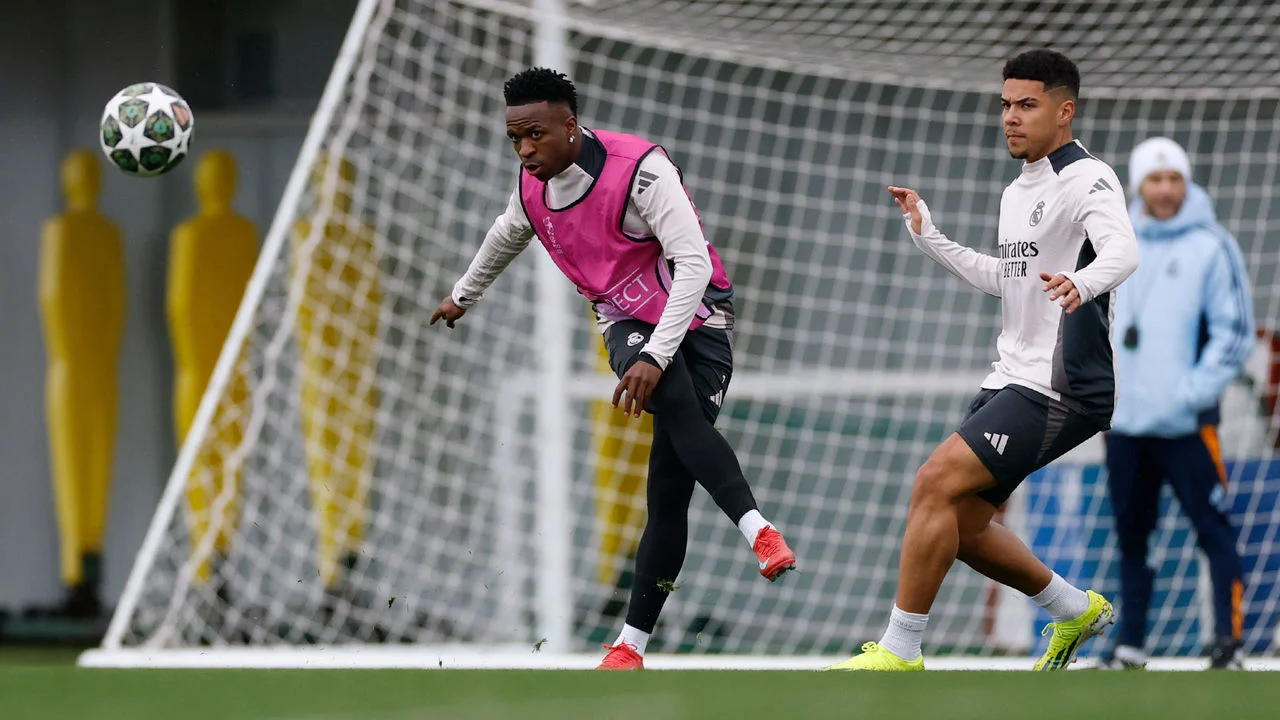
(1050, 67)
(540, 85)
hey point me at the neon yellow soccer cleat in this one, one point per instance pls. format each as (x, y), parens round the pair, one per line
(1070, 635)
(877, 659)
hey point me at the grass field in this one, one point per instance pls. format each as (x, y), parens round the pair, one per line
(44, 684)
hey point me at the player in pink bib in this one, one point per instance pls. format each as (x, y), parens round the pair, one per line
(625, 277)
(612, 212)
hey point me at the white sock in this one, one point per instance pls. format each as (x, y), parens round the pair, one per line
(1062, 600)
(751, 524)
(905, 633)
(1130, 655)
(635, 637)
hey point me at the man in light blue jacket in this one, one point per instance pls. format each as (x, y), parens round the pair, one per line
(1182, 328)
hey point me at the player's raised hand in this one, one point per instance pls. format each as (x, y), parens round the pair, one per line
(909, 201)
(448, 311)
(1060, 286)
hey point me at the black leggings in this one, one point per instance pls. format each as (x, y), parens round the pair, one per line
(687, 449)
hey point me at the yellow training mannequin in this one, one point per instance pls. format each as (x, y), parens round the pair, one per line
(82, 303)
(211, 257)
(337, 343)
(622, 466)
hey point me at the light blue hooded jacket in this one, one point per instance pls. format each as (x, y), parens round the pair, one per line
(1191, 304)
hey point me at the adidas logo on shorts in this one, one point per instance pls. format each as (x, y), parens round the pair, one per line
(997, 440)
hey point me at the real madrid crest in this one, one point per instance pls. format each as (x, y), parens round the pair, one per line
(1037, 214)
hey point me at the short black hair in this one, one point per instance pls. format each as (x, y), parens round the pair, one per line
(537, 85)
(1050, 67)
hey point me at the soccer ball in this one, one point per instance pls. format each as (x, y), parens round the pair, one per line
(146, 129)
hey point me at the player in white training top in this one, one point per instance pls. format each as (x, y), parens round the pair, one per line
(1065, 243)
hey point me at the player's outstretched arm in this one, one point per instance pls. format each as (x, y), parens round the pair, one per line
(507, 237)
(979, 270)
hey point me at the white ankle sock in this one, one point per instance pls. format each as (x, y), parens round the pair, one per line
(905, 633)
(1062, 600)
(751, 524)
(1129, 655)
(635, 637)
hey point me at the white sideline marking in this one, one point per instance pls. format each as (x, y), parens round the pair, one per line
(523, 658)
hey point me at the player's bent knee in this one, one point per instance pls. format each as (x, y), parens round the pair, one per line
(951, 474)
(935, 484)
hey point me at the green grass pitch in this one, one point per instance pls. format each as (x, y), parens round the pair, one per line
(46, 686)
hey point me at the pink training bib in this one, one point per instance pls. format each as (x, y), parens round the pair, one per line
(624, 277)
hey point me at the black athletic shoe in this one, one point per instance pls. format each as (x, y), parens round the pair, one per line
(1226, 655)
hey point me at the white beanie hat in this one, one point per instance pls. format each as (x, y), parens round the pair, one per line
(1158, 153)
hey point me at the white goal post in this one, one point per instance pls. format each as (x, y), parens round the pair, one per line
(396, 495)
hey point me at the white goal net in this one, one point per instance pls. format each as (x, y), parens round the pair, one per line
(371, 480)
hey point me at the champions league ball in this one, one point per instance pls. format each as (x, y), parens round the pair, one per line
(146, 129)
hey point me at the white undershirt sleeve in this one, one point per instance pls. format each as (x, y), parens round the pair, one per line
(664, 206)
(979, 270)
(507, 237)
